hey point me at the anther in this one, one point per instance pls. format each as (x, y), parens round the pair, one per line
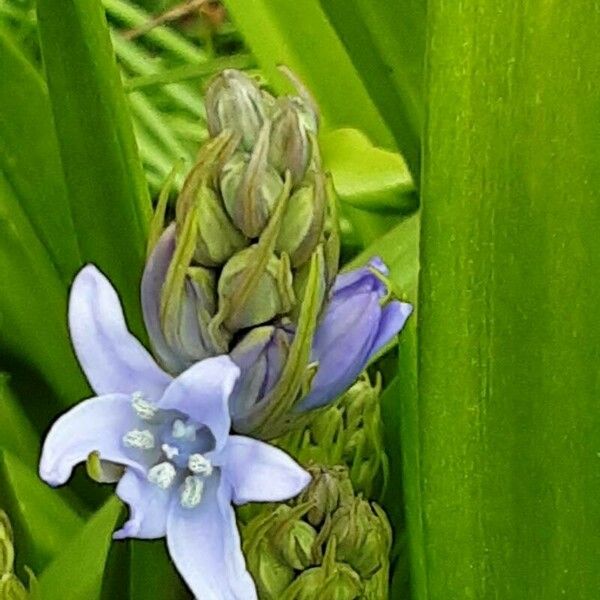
(191, 494)
(200, 465)
(170, 451)
(144, 409)
(138, 438)
(183, 431)
(162, 475)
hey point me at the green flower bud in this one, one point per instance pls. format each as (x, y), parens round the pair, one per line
(251, 188)
(272, 295)
(291, 146)
(329, 489)
(331, 581)
(234, 101)
(271, 575)
(293, 539)
(7, 556)
(6, 531)
(11, 588)
(302, 226)
(363, 536)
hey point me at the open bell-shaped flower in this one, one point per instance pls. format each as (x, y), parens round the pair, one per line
(183, 468)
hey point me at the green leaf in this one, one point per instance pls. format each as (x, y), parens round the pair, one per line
(298, 35)
(16, 432)
(104, 177)
(77, 572)
(365, 176)
(33, 303)
(30, 159)
(43, 520)
(504, 425)
(386, 43)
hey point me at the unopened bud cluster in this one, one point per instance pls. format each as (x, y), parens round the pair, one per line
(11, 587)
(331, 543)
(350, 432)
(254, 247)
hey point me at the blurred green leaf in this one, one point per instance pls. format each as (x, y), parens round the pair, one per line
(16, 432)
(504, 424)
(365, 176)
(42, 519)
(386, 43)
(30, 159)
(298, 35)
(33, 303)
(104, 177)
(77, 572)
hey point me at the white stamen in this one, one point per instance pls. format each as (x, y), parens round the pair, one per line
(200, 465)
(191, 494)
(144, 409)
(139, 438)
(162, 475)
(183, 431)
(170, 451)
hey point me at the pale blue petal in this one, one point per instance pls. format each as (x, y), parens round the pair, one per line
(202, 393)
(259, 472)
(98, 425)
(204, 544)
(111, 358)
(148, 507)
(393, 318)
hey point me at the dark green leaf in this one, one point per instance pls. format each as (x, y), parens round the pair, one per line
(103, 173)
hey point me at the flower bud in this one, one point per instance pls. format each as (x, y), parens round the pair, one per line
(330, 488)
(303, 222)
(6, 531)
(291, 145)
(363, 536)
(270, 574)
(293, 539)
(251, 188)
(234, 101)
(261, 355)
(11, 588)
(272, 292)
(7, 556)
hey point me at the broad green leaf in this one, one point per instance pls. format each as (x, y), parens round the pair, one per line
(386, 43)
(16, 432)
(43, 520)
(505, 424)
(298, 35)
(365, 176)
(30, 159)
(33, 324)
(77, 572)
(104, 177)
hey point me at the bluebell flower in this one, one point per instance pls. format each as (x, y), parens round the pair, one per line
(358, 322)
(182, 468)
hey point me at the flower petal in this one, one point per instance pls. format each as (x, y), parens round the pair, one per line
(361, 279)
(259, 472)
(202, 393)
(204, 544)
(148, 505)
(112, 359)
(98, 425)
(393, 318)
(341, 346)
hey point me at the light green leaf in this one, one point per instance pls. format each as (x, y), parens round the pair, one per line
(504, 425)
(16, 432)
(30, 159)
(104, 177)
(298, 35)
(43, 520)
(386, 43)
(365, 176)
(77, 572)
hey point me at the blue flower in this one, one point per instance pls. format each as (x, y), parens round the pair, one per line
(359, 321)
(183, 469)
